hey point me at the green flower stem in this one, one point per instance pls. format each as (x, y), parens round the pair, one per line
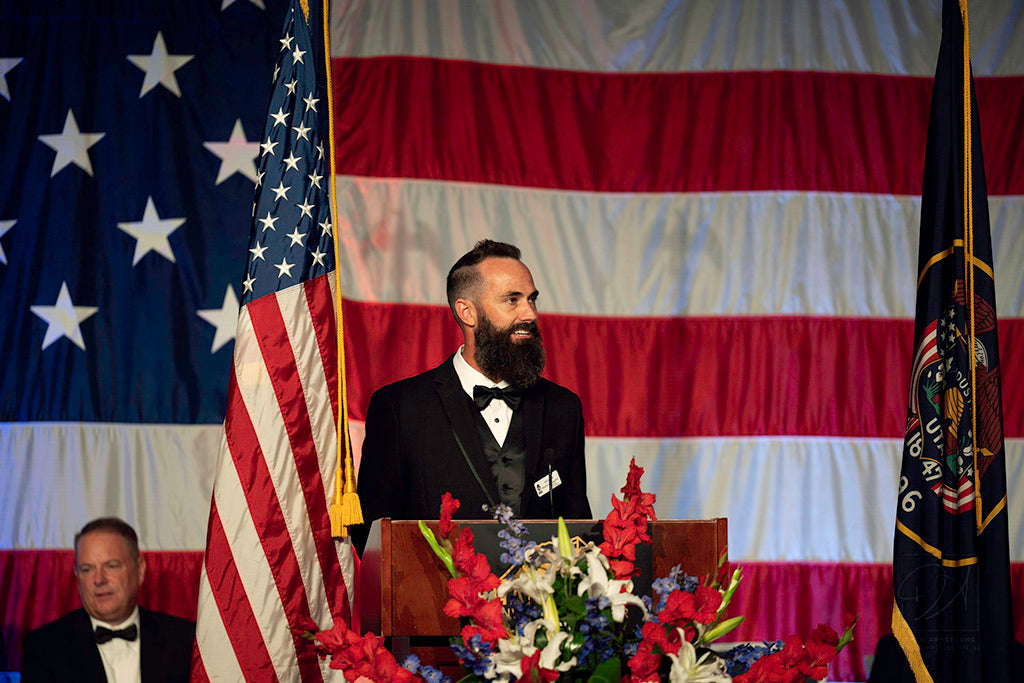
(564, 544)
(443, 554)
(720, 630)
(734, 583)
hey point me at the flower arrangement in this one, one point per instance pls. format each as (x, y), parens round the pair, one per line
(567, 611)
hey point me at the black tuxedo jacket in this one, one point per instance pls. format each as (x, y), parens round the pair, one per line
(411, 455)
(65, 650)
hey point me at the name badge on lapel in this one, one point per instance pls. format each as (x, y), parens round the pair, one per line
(546, 483)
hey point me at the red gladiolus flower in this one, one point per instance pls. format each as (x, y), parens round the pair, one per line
(448, 507)
(488, 617)
(643, 666)
(532, 671)
(632, 487)
(465, 598)
(825, 635)
(463, 551)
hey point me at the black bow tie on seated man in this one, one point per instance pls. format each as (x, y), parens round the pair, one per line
(483, 395)
(105, 635)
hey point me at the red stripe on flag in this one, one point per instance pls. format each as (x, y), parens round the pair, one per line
(272, 335)
(689, 132)
(233, 605)
(320, 300)
(198, 669)
(268, 518)
(865, 588)
(691, 377)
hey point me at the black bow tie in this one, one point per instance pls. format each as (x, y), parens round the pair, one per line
(105, 635)
(483, 395)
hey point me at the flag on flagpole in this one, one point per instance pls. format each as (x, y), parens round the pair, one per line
(952, 612)
(271, 569)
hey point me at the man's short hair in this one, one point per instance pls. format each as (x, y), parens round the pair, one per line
(465, 276)
(113, 525)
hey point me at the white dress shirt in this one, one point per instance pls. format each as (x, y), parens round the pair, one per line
(121, 658)
(497, 414)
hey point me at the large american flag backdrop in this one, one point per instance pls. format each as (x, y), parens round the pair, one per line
(719, 203)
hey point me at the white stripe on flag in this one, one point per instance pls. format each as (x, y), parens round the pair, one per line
(258, 395)
(889, 37)
(667, 254)
(253, 569)
(214, 645)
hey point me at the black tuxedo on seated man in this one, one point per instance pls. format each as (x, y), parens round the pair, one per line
(109, 570)
(65, 650)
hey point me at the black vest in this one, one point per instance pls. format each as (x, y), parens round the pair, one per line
(508, 461)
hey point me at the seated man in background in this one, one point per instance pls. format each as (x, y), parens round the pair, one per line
(112, 639)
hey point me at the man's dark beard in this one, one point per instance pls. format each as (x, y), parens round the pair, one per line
(517, 362)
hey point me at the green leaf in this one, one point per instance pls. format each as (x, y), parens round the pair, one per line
(608, 671)
(443, 554)
(721, 629)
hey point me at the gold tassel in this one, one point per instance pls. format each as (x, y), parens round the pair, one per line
(345, 510)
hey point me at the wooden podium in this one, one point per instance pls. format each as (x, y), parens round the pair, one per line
(403, 587)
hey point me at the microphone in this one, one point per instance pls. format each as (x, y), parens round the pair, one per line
(549, 456)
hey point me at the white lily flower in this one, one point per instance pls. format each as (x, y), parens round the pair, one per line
(552, 652)
(535, 585)
(686, 668)
(597, 584)
(511, 652)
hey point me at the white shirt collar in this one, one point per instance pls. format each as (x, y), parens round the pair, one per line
(470, 377)
(133, 618)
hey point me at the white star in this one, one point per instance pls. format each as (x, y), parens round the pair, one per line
(259, 181)
(286, 43)
(257, 251)
(5, 226)
(237, 155)
(227, 3)
(281, 191)
(63, 318)
(280, 117)
(6, 64)
(326, 226)
(291, 86)
(320, 151)
(277, 72)
(296, 237)
(247, 283)
(151, 233)
(268, 146)
(292, 161)
(318, 257)
(301, 131)
(284, 268)
(306, 208)
(315, 178)
(310, 102)
(297, 55)
(159, 67)
(268, 222)
(225, 319)
(72, 147)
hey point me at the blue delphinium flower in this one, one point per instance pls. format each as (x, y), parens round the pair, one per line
(432, 675)
(412, 663)
(597, 639)
(676, 580)
(512, 537)
(475, 656)
(521, 612)
(740, 658)
(428, 673)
